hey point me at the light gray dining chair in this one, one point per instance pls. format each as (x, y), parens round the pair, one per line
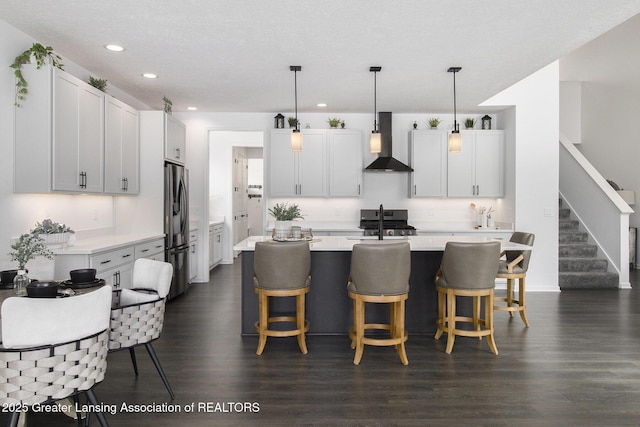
(281, 270)
(380, 275)
(53, 349)
(467, 270)
(137, 316)
(515, 266)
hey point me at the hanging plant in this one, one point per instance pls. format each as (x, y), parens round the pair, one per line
(168, 105)
(42, 56)
(100, 84)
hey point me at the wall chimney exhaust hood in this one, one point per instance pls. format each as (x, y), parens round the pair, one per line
(385, 161)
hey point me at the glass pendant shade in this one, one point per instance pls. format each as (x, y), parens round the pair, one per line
(296, 141)
(375, 142)
(455, 142)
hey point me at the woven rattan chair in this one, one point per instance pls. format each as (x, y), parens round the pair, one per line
(379, 274)
(137, 315)
(53, 349)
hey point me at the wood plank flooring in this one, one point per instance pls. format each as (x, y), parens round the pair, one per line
(578, 364)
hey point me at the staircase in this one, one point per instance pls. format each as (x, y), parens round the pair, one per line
(578, 263)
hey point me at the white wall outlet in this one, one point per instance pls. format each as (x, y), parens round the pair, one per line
(430, 212)
(338, 212)
(548, 212)
(95, 214)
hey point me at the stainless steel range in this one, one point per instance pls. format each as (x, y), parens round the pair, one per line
(394, 222)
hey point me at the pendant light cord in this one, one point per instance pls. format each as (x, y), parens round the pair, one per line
(295, 84)
(375, 99)
(455, 124)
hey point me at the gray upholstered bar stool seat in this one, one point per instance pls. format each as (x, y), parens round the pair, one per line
(379, 274)
(467, 270)
(281, 270)
(515, 266)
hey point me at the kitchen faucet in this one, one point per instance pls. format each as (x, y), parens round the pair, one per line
(380, 226)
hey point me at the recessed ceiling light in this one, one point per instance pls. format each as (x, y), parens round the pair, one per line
(114, 48)
(192, 108)
(322, 104)
(150, 76)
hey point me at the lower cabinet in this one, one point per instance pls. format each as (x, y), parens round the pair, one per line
(114, 266)
(193, 254)
(215, 244)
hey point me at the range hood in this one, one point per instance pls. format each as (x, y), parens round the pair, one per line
(385, 162)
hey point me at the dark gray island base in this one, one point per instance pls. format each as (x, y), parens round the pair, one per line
(328, 307)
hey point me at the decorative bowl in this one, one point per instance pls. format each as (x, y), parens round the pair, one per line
(42, 289)
(83, 275)
(7, 276)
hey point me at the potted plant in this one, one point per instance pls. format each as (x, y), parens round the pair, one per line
(292, 122)
(100, 84)
(334, 122)
(42, 55)
(469, 123)
(284, 214)
(27, 247)
(52, 233)
(434, 122)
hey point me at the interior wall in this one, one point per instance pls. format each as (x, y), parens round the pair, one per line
(610, 101)
(536, 159)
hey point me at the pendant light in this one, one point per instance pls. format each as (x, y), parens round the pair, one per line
(296, 136)
(375, 141)
(455, 139)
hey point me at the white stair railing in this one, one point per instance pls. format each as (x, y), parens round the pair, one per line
(598, 207)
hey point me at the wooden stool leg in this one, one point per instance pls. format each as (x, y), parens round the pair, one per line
(263, 322)
(440, 322)
(302, 343)
(521, 301)
(477, 305)
(489, 322)
(510, 295)
(451, 320)
(358, 310)
(398, 322)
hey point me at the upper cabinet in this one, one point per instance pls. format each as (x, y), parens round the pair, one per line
(122, 148)
(59, 135)
(478, 170)
(175, 140)
(428, 158)
(330, 164)
(345, 162)
(298, 174)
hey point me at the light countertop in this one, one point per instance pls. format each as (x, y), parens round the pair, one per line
(93, 245)
(421, 227)
(417, 243)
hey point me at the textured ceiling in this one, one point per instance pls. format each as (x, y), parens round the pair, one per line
(234, 56)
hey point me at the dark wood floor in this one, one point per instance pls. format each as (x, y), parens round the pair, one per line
(578, 364)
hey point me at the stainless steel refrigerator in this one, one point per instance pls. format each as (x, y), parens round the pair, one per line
(176, 225)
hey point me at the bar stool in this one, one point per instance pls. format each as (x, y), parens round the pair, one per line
(281, 270)
(515, 267)
(467, 270)
(379, 274)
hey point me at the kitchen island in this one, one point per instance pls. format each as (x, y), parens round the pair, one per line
(328, 307)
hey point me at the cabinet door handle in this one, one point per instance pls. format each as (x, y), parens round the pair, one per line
(105, 262)
(126, 256)
(477, 190)
(415, 189)
(177, 153)
(358, 189)
(144, 250)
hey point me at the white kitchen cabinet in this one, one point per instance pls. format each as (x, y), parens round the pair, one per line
(121, 148)
(345, 162)
(151, 250)
(59, 134)
(115, 266)
(215, 244)
(428, 158)
(175, 140)
(478, 170)
(298, 174)
(193, 254)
